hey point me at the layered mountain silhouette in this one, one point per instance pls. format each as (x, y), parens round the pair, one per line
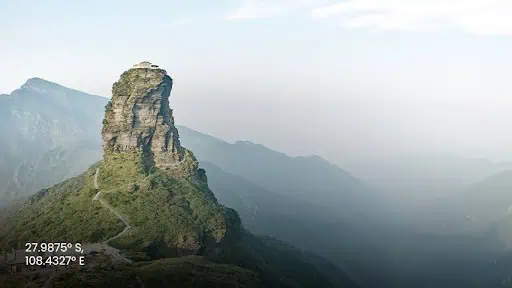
(489, 199)
(148, 209)
(311, 179)
(50, 133)
(476, 206)
(167, 212)
(484, 207)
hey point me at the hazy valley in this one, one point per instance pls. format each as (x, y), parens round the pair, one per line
(362, 222)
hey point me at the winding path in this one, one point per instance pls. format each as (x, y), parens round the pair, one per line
(106, 205)
(104, 245)
(113, 251)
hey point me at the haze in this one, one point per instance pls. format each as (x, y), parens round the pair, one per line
(340, 79)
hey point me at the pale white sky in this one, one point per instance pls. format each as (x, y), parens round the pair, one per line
(335, 78)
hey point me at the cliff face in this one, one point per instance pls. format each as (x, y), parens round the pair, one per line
(139, 131)
(146, 176)
(138, 117)
(149, 199)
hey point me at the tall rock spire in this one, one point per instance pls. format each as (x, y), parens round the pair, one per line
(138, 117)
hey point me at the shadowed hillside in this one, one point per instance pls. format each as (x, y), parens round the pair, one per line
(148, 200)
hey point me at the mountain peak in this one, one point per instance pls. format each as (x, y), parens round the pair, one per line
(36, 80)
(148, 200)
(138, 117)
(147, 182)
(244, 142)
(40, 85)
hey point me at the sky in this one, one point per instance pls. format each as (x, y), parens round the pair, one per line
(340, 79)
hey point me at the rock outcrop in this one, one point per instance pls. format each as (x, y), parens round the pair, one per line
(149, 200)
(138, 117)
(139, 131)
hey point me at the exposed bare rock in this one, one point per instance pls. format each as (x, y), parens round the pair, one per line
(138, 117)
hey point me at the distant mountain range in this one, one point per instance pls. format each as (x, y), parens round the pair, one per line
(280, 196)
(52, 133)
(421, 179)
(483, 208)
(146, 209)
(489, 200)
(49, 133)
(474, 207)
(311, 179)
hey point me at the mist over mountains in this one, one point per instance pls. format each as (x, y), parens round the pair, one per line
(50, 133)
(311, 179)
(146, 205)
(366, 221)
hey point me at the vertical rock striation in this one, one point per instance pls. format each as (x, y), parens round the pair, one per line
(139, 125)
(138, 117)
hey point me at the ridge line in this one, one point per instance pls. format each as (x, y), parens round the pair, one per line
(96, 197)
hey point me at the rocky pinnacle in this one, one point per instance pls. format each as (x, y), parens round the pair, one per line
(138, 117)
